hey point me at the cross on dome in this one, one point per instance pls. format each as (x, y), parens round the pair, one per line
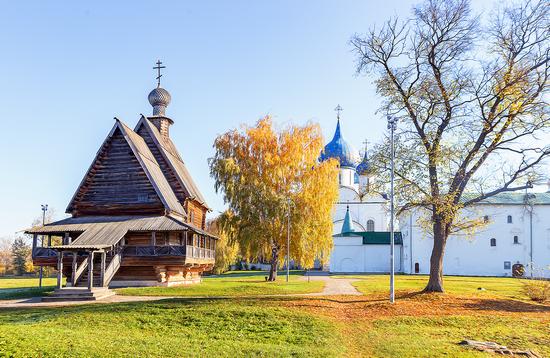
(158, 67)
(338, 110)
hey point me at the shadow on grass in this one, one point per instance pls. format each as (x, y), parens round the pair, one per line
(256, 273)
(506, 306)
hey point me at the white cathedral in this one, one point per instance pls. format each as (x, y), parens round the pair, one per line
(515, 239)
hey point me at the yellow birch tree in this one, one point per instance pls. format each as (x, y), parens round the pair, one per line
(272, 178)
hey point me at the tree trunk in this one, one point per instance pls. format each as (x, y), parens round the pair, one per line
(435, 283)
(274, 264)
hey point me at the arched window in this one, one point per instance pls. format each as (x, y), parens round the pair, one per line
(370, 225)
(493, 242)
(509, 220)
(516, 240)
(416, 267)
(355, 178)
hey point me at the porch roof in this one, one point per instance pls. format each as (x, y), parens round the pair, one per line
(99, 228)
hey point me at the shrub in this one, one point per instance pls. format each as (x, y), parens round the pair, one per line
(537, 289)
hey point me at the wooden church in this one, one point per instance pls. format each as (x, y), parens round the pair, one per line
(137, 217)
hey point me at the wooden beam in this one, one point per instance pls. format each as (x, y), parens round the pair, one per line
(74, 267)
(60, 269)
(103, 259)
(91, 270)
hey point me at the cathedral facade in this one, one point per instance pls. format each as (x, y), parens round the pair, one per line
(514, 240)
(361, 217)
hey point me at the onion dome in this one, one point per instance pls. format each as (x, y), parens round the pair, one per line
(364, 167)
(159, 99)
(339, 149)
(347, 226)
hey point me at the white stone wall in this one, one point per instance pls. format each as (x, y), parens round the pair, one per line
(472, 254)
(352, 256)
(349, 254)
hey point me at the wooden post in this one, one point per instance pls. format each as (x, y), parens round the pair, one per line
(153, 238)
(103, 260)
(60, 269)
(75, 266)
(34, 241)
(91, 270)
(49, 240)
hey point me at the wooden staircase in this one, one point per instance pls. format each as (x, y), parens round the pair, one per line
(78, 294)
(100, 289)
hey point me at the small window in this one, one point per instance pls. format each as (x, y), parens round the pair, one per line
(486, 219)
(340, 178)
(516, 240)
(507, 265)
(493, 242)
(355, 178)
(416, 267)
(509, 219)
(370, 225)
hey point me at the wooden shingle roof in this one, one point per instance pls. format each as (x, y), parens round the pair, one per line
(146, 160)
(172, 156)
(92, 227)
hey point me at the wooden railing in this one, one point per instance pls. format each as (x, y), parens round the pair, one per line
(43, 252)
(168, 250)
(199, 252)
(113, 267)
(79, 271)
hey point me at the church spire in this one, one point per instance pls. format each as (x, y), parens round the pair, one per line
(347, 226)
(160, 98)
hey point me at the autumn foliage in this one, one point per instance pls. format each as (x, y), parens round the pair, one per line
(267, 175)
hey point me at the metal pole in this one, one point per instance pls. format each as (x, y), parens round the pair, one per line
(288, 243)
(41, 272)
(391, 125)
(531, 240)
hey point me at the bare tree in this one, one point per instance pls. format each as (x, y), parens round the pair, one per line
(472, 101)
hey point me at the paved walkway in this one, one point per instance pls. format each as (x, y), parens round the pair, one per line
(333, 287)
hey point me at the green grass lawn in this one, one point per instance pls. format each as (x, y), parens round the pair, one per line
(458, 285)
(238, 326)
(168, 328)
(23, 287)
(234, 284)
(439, 336)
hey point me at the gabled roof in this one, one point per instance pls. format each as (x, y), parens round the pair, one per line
(148, 164)
(171, 155)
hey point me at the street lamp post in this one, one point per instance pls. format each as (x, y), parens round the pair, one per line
(41, 272)
(392, 125)
(288, 243)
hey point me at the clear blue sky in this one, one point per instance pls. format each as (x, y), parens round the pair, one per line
(69, 67)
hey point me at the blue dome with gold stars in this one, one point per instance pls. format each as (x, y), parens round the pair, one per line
(339, 149)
